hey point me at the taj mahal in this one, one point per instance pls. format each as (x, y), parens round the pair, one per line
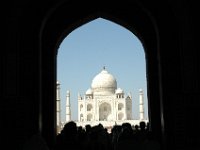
(103, 103)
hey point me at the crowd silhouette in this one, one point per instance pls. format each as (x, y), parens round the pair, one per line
(121, 137)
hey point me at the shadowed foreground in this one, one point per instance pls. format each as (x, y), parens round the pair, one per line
(96, 137)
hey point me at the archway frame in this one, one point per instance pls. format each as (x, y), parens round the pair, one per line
(62, 20)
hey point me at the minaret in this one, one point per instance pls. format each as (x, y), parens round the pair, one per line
(141, 104)
(58, 110)
(79, 96)
(68, 111)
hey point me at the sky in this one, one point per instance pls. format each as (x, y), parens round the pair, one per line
(86, 50)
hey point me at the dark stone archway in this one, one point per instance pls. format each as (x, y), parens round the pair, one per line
(34, 31)
(58, 25)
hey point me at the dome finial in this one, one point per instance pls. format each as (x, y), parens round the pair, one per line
(104, 67)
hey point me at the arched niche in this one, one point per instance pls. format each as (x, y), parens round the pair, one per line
(89, 117)
(89, 107)
(81, 117)
(120, 116)
(105, 112)
(81, 107)
(120, 106)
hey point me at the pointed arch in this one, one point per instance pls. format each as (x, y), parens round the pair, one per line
(56, 27)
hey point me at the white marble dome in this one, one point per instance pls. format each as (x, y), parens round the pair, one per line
(104, 83)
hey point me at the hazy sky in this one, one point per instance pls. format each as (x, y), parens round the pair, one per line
(84, 52)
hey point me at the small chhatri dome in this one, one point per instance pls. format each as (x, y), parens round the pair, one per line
(140, 91)
(119, 91)
(104, 83)
(89, 92)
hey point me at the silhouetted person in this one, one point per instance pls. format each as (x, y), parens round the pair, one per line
(142, 125)
(136, 127)
(114, 136)
(126, 138)
(68, 138)
(88, 128)
(81, 137)
(142, 131)
(98, 138)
